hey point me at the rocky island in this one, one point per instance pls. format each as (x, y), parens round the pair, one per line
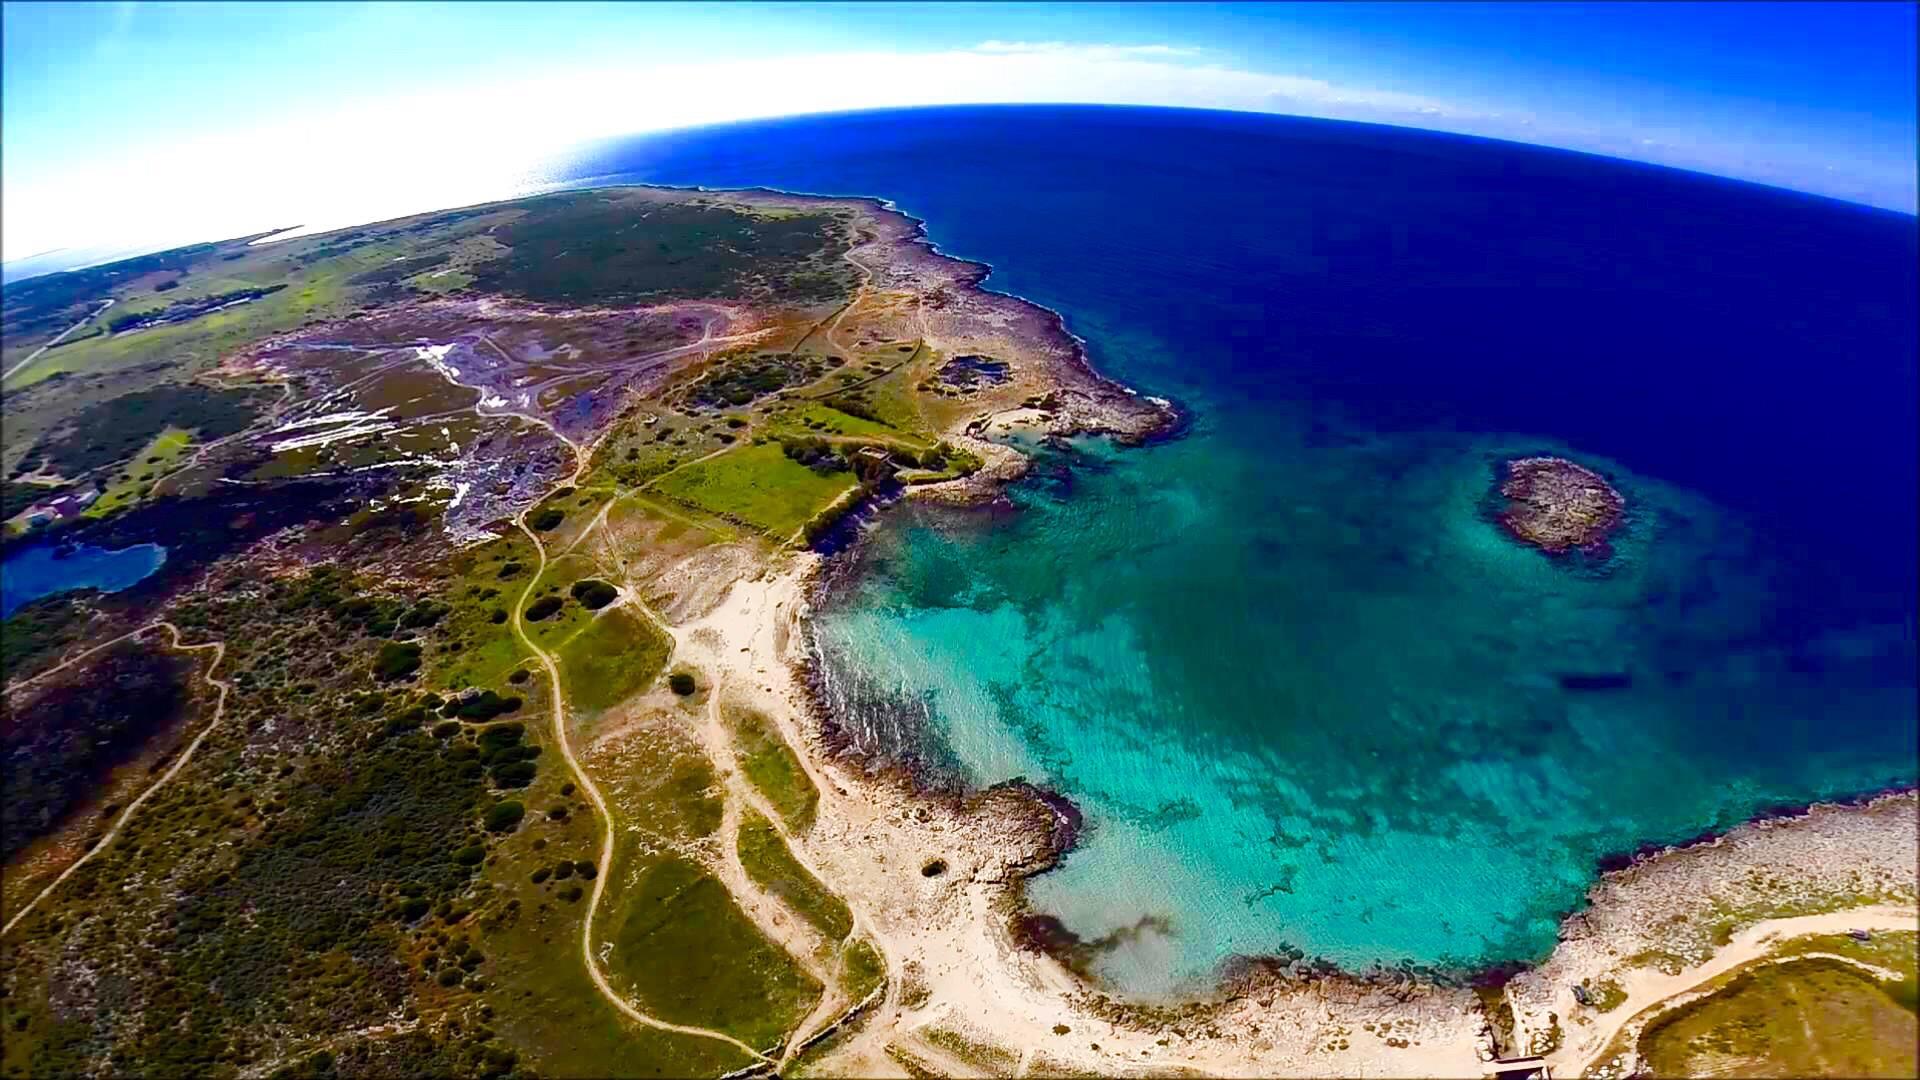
(1559, 506)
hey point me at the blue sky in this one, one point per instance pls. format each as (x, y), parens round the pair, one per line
(135, 123)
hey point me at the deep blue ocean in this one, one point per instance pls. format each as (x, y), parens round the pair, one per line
(1306, 693)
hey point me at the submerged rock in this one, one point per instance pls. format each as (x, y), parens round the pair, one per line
(1557, 506)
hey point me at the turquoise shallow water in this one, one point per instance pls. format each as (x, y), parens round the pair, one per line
(1306, 693)
(1341, 729)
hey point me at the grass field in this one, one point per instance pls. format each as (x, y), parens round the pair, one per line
(757, 486)
(691, 955)
(863, 969)
(482, 649)
(615, 656)
(1800, 1018)
(772, 866)
(771, 765)
(160, 457)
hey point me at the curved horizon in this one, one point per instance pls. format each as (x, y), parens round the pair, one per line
(238, 119)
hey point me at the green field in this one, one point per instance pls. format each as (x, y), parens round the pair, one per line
(757, 486)
(1800, 1018)
(772, 866)
(771, 765)
(689, 953)
(132, 485)
(615, 656)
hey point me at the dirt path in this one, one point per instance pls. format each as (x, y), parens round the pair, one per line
(592, 790)
(219, 710)
(70, 661)
(1650, 992)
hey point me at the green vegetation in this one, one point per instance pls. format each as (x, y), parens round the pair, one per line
(544, 608)
(116, 429)
(618, 247)
(756, 486)
(615, 657)
(43, 306)
(481, 648)
(547, 519)
(35, 635)
(136, 480)
(743, 378)
(187, 308)
(593, 593)
(692, 957)
(772, 866)
(862, 970)
(995, 1059)
(772, 766)
(396, 660)
(79, 730)
(505, 816)
(1798, 1018)
(1605, 995)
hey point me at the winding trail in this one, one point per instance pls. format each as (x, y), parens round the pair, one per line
(581, 460)
(219, 711)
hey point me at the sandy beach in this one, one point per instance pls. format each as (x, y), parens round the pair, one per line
(964, 999)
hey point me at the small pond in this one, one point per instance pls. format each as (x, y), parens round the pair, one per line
(45, 569)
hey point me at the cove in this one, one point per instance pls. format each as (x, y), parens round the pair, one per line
(41, 570)
(1306, 693)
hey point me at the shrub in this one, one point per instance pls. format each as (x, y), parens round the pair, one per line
(500, 736)
(470, 855)
(548, 519)
(681, 683)
(424, 614)
(593, 593)
(449, 977)
(586, 869)
(562, 871)
(483, 706)
(543, 608)
(509, 569)
(446, 729)
(505, 817)
(514, 774)
(541, 875)
(414, 908)
(519, 676)
(396, 659)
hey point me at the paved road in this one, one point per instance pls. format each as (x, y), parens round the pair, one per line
(10, 372)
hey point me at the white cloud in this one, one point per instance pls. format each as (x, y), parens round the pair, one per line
(1081, 50)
